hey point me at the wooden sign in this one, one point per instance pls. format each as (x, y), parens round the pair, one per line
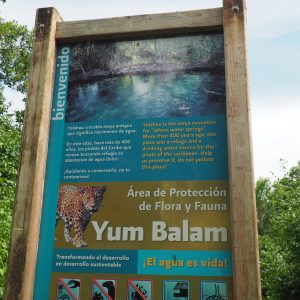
(136, 177)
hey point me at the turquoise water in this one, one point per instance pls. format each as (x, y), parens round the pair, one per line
(147, 96)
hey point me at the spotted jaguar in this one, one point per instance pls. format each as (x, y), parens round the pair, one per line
(75, 207)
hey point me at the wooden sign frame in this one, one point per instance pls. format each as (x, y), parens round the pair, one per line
(50, 30)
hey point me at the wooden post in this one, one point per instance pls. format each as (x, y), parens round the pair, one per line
(243, 207)
(127, 27)
(29, 197)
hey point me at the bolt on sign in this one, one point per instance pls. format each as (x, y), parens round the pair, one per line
(138, 182)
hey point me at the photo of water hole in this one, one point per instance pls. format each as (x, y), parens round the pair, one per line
(155, 78)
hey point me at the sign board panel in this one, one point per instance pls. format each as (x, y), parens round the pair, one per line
(137, 195)
(137, 171)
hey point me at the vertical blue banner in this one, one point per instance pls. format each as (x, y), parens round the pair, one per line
(43, 271)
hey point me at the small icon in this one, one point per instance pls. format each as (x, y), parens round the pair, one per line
(176, 290)
(139, 289)
(214, 290)
(104, 289)
(68, 289)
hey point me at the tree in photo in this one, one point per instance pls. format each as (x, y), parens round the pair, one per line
(15, 55)
(279, 235)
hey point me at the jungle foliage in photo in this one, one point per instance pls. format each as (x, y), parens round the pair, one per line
(93, 60)
(15, 56)
(279, 234)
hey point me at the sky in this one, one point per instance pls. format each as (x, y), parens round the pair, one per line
(273, 38)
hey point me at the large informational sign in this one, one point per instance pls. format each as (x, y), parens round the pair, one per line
(136, 200)
(136, 177)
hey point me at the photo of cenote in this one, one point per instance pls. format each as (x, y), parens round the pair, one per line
(163, 77)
